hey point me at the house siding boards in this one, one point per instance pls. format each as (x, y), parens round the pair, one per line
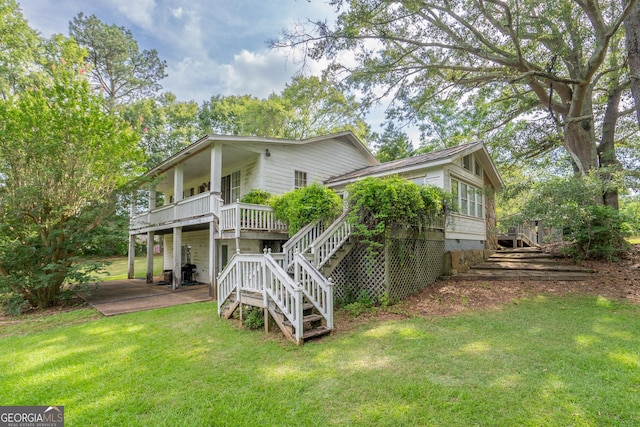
(199, 243)
(439, 168)
(319, 160)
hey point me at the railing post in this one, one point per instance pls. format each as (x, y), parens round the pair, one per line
(330, 303)
(296, 266)
(265, 300)
(238, 216)
(299, 316)
(219, 294)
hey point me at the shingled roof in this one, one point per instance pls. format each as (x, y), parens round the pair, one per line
(389, 168)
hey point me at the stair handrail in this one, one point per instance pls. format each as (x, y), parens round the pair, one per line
(243, 272)
(317, 288)
(301, 241)
(285, 293)
(227, 282)
(331, 240)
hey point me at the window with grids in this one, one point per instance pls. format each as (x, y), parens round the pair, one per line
(300, 179)
(470, 199)
(231, 187)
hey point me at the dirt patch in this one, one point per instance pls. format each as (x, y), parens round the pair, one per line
(616, 280)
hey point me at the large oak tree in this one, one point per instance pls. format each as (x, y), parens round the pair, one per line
(523, 59)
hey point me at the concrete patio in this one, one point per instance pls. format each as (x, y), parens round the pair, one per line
(127, 296)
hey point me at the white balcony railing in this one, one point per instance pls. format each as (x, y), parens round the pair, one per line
(236, 217)
(192, 207)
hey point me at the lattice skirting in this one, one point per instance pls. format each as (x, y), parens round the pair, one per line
(405, 267)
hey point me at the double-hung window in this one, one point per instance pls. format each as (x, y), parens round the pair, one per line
(299, 179)
(470, 199)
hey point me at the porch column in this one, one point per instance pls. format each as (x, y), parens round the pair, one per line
(152, 199)
(178, 182)
(177, 257)
(131, 256)
(216, 168)
(213, 253)
(150, 244)
(132, 241)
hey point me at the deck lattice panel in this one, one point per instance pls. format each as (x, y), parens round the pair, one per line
(356, 273)
(413, 264)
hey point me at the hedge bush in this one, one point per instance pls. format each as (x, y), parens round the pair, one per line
(302, 206)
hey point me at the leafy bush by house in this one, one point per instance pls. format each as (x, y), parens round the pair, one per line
(256, 197)
(380, 204)
(302, 206)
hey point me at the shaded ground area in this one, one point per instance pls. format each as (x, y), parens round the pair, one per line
(614, 280)
(126, 296)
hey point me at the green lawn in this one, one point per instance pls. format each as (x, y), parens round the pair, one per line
(546, 361)
(118, 268)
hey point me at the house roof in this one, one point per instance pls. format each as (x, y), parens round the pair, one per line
(432, 159)
(204, 142)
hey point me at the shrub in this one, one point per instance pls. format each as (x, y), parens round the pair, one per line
(572, 204)
(380, 204)
(256, 197)
(302, 206)
(253, 318)
(599, 236)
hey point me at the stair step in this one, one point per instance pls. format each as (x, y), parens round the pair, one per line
(315, 333)
(308, 318)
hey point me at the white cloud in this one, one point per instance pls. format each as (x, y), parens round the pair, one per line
(139, 12)
(249, 73)
(177, 12)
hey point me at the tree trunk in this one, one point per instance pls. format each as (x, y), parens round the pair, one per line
(606, 150)
(579, 133)
(580, 142)
(632, 27)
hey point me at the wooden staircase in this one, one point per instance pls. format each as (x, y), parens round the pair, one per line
(337, 258)
(293, 290)
(313, 323)
(525, 264)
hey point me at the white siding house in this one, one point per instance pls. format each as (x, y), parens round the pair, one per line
(193, 196)
(467, 171)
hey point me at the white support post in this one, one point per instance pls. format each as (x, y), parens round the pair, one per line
(131, 256)
(213, 246)
(216, 168)
(177, 257)
(330, 303)
(132, 240)
(152, 199)
(150, 244)
(178, 182)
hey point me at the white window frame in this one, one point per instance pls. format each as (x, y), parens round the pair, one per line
(470, 199)
(299, 179)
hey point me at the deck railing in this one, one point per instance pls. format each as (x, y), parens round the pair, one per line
(191, 207)
(262, 273)
(317, 289)
(301, 241)
(285, 293)
(435, 221)
(236, 217)
(243, 272)
(328, 243)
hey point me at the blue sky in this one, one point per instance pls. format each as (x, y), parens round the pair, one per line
(211, 46)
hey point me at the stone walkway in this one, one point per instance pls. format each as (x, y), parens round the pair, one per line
(524, 264)
(127, 296)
